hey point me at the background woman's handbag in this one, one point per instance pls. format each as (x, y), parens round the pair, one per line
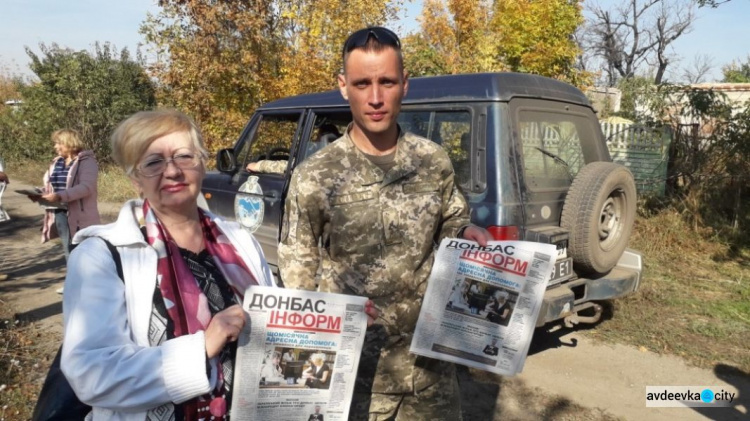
(57, 401)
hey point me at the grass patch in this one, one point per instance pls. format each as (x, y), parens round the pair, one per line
(24, 361)
(694, 299)
(112, 184)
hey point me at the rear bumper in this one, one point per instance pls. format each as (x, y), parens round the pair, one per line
(569, 298)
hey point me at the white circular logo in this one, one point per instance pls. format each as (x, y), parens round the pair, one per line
(546, 212)
(248, 207)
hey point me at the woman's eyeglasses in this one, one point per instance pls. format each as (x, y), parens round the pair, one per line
(383, 35)
(154, 166)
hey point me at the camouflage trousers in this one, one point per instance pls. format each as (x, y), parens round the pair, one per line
(440, 401)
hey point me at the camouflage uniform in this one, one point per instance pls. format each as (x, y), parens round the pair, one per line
(378, 233)
(273, 167)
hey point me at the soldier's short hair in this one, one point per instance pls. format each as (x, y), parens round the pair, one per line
(372, 38)
(133, 136)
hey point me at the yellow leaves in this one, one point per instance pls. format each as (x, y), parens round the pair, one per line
(219, 60)
(460, 36)
(536, 36)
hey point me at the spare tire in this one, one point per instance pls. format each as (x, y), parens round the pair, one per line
(599, 213)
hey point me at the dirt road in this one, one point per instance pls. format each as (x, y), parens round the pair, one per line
(566, 376)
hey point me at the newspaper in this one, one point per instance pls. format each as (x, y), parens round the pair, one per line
(37, 192)
(291, 340)
(3, 214)
(482, 304)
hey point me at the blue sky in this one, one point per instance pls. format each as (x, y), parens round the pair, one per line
(721, 33)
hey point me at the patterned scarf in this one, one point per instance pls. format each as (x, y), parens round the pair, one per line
(186, 304)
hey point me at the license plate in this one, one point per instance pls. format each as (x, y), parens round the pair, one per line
(563, 270)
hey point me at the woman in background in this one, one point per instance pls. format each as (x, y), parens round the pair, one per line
(69, 185)
(70, 190)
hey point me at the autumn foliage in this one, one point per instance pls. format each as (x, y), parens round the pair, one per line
(465, 36)
(219, 60)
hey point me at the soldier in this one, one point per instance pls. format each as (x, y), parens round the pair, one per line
(366, 212)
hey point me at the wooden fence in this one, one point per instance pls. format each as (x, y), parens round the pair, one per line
(643, 150)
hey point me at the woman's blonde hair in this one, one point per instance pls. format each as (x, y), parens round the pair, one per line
(69, 138)
(133, 136)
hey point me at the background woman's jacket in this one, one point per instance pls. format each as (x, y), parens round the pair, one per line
(80, 194)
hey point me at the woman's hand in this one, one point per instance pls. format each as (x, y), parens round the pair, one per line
(372, 312)
(51, 197)
(224, 327)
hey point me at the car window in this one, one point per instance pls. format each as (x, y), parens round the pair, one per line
(551, 147)
(271, 140)
(450, 129)
(327, 127)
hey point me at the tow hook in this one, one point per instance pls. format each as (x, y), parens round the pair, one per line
(576, 318)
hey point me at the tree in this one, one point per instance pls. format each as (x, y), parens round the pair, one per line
(698, 69)
(637, 35)
(9, 87)
(219, 60)
(737, 72)
(711, 3)
(463, 36)
(87, 91)
(537, 36)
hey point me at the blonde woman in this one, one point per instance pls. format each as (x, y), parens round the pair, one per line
(318, 376)
(70, 183)
(160, 342)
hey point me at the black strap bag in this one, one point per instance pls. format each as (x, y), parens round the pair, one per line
(57, 401)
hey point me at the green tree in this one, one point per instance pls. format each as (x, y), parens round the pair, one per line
(636, 91)
(737, 72)
(90, 91)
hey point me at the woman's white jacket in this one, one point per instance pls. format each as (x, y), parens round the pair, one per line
(106, 353)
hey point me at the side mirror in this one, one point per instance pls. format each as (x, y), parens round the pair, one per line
(225, 161)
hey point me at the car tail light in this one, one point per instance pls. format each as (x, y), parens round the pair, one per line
(503, 233)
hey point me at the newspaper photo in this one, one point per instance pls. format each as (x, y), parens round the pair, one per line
(298, 355)
(482, 303)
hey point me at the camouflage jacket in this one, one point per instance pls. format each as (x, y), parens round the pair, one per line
(273, 167)
(349, 228)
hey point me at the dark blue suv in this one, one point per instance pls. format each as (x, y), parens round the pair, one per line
(529, 156)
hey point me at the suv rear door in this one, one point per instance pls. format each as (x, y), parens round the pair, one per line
(553, 141)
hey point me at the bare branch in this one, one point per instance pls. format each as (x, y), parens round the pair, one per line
(698, 70)
(636, 33)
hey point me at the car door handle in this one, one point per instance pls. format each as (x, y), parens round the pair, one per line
(271, 195)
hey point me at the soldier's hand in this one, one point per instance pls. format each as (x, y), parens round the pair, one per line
(224, 327)
(372, 312)
(253, 167)
(478, 234)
